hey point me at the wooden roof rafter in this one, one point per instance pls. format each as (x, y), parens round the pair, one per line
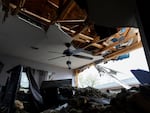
(116, 43)
(123, 51)
(60, 12)
(52, 3)
(79, 36)
(124, 40)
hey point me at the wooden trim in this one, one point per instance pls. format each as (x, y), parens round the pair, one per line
(76, 72)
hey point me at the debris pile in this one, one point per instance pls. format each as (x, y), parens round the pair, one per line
(88, 100)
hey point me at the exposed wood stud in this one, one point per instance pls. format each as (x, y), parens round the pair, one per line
(71, 21)
(80, 34)
(30, 13)
(65, 10)
(123, 51)
(50, 2)
(116, 43)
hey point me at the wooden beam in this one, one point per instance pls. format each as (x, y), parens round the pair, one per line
(71, 21)
(76, 72)
(115, 54)
(66, 10)
(94, 43)
(35, 15)
(97, 45)
(85, 26)
(30, 13)
(80, 40)
(82, 36)
(87, 46)
(53, 4)
(123, 51)
(116, 43)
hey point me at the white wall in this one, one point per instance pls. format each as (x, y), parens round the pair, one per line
(10, 62)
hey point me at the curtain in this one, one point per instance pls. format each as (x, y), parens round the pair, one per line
(12, 85)
(38, 100)
(42, 76)
(1, 66)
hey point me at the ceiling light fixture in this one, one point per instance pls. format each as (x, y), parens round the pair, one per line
(69, 64)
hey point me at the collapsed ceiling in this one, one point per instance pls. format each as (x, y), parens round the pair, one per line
(74, 18)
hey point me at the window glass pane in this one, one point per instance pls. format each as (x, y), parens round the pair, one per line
(24, 83)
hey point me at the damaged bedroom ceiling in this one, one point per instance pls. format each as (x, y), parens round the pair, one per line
(102, 30)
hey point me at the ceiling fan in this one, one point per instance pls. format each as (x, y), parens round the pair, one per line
(69, 52)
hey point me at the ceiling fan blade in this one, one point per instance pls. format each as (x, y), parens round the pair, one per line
(84, 57)
(80, 50)
(55, 52)
(56, 57)
(77, 51)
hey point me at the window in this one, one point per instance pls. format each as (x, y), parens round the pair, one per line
(114, 73)
(24, 82)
